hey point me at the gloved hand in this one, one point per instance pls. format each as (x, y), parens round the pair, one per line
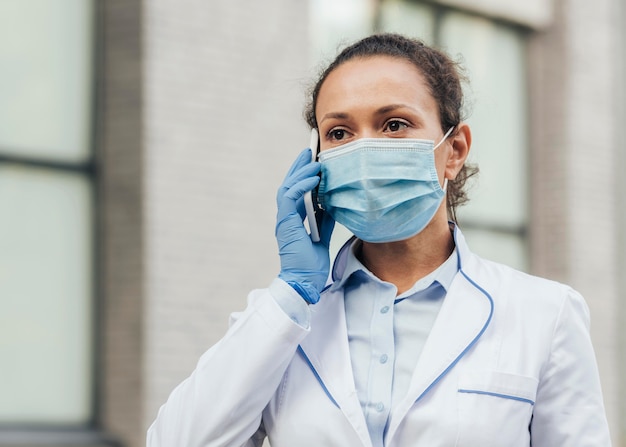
(304, 264)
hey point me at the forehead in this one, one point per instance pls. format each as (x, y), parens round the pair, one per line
(374, 80)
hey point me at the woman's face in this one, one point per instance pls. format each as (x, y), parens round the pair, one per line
(377, 97)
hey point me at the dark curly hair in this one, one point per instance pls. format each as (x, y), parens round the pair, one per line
(443, 77)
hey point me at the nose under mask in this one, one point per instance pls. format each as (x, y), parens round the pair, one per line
(382, 189)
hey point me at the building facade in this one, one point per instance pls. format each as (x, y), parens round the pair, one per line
(142, 143)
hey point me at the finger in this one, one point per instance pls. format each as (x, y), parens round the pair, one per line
(309, 170)
(307, 184)
(290, 199)
(303, 158)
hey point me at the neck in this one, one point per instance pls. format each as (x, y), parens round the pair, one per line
(403, 263)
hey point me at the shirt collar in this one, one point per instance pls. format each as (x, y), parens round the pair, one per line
(444, 274)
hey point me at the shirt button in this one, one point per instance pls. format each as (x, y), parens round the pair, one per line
(384, 310)
(383, 358)
(380, 407)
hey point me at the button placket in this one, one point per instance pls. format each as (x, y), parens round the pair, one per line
(381, 360)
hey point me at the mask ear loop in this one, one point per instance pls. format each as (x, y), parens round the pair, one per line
(446, 135)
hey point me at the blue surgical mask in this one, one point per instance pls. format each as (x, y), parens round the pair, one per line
(381, 189)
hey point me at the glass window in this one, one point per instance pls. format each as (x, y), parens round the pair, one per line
(45, 79)
(494, 58)
(335, 23)
(411, 19)
(46, 209)
(506, 247)
(495, 61)
(45, 290)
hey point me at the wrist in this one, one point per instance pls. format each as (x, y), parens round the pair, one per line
(308, 294)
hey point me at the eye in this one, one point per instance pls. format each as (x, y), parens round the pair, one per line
(337, 134)
(395, 126)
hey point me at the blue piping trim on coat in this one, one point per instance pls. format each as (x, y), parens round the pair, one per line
(456, 360)
(319, 379)
(505, 396)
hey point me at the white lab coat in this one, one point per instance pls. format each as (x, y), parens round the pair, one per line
(509, 362)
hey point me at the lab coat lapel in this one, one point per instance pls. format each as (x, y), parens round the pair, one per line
(464, 316)
(327, 351)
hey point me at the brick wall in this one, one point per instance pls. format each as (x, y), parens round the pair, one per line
(223, 93)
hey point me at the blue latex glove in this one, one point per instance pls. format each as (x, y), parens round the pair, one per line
(304, 264)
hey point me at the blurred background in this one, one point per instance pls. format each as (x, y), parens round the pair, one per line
(142, 142)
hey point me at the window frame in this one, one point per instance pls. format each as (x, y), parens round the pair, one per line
(89, 433)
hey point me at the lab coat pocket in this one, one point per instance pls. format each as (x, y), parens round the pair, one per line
(495, 408)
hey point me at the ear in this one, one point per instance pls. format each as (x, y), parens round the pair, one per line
(461, 142)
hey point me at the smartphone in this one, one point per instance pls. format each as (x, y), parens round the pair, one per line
(310, 197)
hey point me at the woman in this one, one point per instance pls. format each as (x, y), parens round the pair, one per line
(414, 340)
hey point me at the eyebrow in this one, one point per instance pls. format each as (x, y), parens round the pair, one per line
(337, 115)
(392, 107)
(381, 111)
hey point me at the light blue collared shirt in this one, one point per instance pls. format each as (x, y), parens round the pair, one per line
(386, 333)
